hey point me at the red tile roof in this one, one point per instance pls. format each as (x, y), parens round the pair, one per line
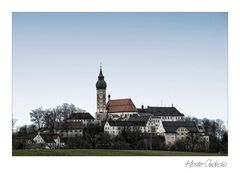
(121, 105)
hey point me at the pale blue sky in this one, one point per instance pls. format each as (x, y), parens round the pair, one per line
(153, 58)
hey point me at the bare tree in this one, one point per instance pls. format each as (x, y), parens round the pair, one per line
(68, 109)
(51, 116)
(13, 123)
(194, 142)
(59, 113)
(47, 117)
(220, 128)
(37, 116)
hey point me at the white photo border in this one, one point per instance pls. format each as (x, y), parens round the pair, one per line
(116, 164)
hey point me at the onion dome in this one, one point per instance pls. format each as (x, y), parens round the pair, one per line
(101, 84)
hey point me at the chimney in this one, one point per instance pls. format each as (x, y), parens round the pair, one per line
(142, 107)
(109, 97)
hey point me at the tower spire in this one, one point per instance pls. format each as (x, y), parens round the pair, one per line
(100, 76)
(101, 86)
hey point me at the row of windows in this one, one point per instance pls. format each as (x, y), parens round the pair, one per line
(119, 128)
(172, 137)
(169, 118)
(70, 131)
(79, 120)
(166, 118)
(117, 132)
(116, 128)
(147, 129)
(39, 141)
(85, 122)
(155, 121)
(123, 115)
(128, 128)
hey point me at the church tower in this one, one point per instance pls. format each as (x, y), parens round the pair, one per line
(101, 86)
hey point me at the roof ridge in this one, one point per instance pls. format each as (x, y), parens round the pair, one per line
(121, 99)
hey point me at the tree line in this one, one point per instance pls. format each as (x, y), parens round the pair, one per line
(217, 132)
(41, 119)
(94, 137)
(45, 118)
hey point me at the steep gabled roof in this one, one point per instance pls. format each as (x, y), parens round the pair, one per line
(161, 111)
(49, 138)
(121, 105)
(172, 126)
(139, 118)
(80, 116)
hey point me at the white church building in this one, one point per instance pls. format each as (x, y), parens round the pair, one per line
(117, 115)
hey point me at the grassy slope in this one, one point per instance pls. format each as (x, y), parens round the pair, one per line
(100, 152)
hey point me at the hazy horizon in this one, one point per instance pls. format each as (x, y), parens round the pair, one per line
(156, 59)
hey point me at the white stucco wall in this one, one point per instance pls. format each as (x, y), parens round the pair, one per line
(70, 133)
(122, 114)
(38, 139)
